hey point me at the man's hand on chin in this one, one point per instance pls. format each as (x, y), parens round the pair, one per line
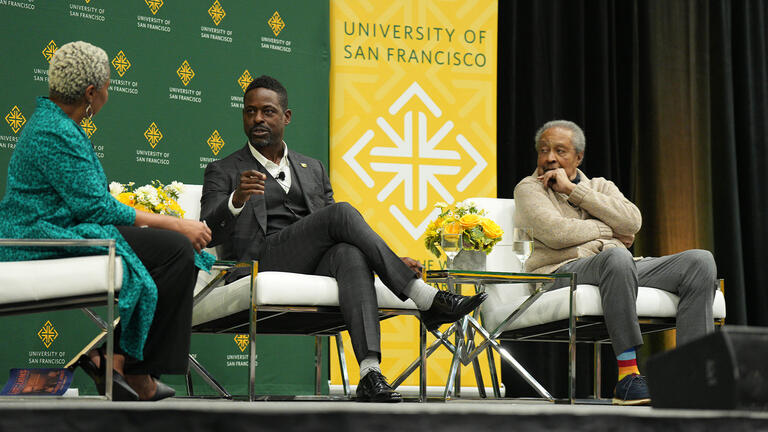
(557, 180)
(413, 265)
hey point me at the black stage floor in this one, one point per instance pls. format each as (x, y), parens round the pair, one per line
(173, 415)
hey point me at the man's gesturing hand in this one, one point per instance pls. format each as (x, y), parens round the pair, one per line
(251, 183)
(558, 181)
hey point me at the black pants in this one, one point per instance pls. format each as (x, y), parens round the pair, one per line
(169, 258)
(336, 241)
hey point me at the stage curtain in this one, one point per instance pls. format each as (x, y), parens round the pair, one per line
(672, 97)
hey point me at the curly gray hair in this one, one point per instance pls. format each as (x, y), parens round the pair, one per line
(74, 67)
(577, 138)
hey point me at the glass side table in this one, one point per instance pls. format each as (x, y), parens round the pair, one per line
(463, 346)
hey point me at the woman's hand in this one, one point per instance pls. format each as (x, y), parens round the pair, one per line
(198, 233)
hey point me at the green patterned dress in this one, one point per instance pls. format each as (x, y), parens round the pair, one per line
(57, 189)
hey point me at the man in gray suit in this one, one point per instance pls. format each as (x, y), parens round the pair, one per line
(265, 203)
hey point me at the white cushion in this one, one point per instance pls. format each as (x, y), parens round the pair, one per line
(553, 306)
(190, 201)
(24, 281)
(279, 289)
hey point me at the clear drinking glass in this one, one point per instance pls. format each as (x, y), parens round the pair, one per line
(522, 244)
(451, 245)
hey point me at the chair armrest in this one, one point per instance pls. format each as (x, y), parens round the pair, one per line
(58, 242)
(224, 267)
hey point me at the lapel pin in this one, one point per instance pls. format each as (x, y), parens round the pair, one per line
(303, 165)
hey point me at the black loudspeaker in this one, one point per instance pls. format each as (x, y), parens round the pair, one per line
(727, 369)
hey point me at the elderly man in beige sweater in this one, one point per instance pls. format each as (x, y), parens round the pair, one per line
(584, 226)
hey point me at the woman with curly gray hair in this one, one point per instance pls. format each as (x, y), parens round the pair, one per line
(57, 189)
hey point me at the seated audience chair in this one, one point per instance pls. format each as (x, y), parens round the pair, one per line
(282, 303)
(560, 315)
(64, 283)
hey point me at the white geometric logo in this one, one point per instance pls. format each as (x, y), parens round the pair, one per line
(410, 172)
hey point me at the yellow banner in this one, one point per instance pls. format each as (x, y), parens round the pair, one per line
(413, 123)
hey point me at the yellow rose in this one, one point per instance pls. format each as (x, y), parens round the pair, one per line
(126, 198)
(491, 229)
(469, 221)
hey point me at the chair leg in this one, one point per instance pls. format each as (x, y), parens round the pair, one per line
(252, 335)
(597, 379)
(203, 373)
(188, 382)
(423, 364)
(342, 364)
(318, 364)
(572, 344)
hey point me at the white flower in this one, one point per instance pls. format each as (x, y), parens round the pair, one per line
(116, 188)
(147, 195)
(175, 189)
(441, 204)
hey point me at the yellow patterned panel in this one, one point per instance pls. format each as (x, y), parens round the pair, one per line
(413, 122)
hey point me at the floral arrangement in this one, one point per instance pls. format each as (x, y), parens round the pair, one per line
(152, 198)
(479, 232)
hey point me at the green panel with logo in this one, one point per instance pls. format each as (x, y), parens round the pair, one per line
(179, 69)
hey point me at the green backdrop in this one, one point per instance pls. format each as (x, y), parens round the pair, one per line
(178, 73)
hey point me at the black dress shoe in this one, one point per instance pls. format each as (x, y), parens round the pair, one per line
(448, 308)
(163, 391)
(373, 387)
(121, 391)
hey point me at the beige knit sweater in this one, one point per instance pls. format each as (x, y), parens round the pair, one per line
(569, 227)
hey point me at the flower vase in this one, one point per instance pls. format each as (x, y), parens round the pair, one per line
(469, 260)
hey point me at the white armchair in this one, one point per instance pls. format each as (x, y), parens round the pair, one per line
(550, 318)
(282, 303)
(65, 283)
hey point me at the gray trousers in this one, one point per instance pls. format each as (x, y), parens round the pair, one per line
(336, 241)
(691, 275)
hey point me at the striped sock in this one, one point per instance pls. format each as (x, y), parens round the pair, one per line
(627, 363)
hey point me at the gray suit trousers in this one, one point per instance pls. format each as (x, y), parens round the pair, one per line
(336, 241)
(691, 275)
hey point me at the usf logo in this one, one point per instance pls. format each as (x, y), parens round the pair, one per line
(121, 63)
(15, 119)
(49, 50)
(88, 126)
(185, 72)
(47, 334)
(276, 23)
(419, 165)
(244, 80)
(215, 142)
(216, 12)
(242, 341)
(154, 5)
(153, 135)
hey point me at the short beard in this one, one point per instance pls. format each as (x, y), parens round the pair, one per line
(259, 144)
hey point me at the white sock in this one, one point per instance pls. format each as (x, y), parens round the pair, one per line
(368, 364)
(421, 293)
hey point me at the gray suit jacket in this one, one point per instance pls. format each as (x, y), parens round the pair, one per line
(242, 237)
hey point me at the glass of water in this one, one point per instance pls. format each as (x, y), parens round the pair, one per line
(522, 244)
(451, 244)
